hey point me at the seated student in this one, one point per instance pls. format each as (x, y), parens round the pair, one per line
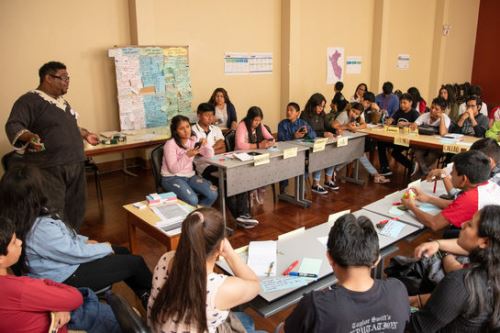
(238, 204)
(293, 128)
(447, 92)
(204, 129)
(337, 90)
(471, 122)
(53, 250)
(402, 118)
(387, 100)
(467, 300)
(494, 131)
(337, 106)
(314, 115)
(473, 90)
(439, 122)
(225, 112)
(352, 121)
(372, 112)
(357, 302)
(187, 295)
(177, 171)
(419, 103)
(471, 171)
(26, 303)
(490, 148)
(252, 134)
(358, 93)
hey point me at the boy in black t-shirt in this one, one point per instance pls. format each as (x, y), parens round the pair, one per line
(357, 303)
(404, 117)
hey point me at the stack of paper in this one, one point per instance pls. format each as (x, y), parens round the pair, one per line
(262, 257)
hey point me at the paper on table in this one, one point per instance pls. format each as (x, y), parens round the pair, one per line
(283, 282)
(261, 255)
(392, 229)
(395, 211)
(310, 266)
(333, 217)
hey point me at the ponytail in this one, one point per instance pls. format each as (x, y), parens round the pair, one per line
(183, 297)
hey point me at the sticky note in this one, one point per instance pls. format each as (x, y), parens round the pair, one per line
(392, 229)
(342, 141)
(310, 266)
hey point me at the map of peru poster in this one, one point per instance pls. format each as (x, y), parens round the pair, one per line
(334, 64)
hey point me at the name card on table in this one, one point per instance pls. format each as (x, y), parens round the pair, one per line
(289, 152)
(453, 149)
(391, 129)
(261, 159)
(319, 144)
(402, 141)
(342, 141)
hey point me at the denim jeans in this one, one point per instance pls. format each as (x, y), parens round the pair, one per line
(317, 174)
(188, 189)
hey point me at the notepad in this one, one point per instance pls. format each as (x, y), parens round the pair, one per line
(428, 208)
(310, 266)
(395, 211)
(392, 229)
(272, 284)
(261, 255)
(323, 240)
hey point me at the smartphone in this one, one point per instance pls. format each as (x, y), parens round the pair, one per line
(302, 130)
(254, 153)
(197, 145)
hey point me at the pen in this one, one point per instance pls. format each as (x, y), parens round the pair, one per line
(291, 267)
(435, 184)
(303, 274)
(270, 268)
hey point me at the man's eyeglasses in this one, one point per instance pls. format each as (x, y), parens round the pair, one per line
(62, 78)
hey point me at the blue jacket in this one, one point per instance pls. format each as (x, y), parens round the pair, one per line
(389, 103)
(231, 115)
(54, 252)
(286, 129)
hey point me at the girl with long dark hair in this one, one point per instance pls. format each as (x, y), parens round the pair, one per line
(447, 92)
(187, 295)
(53, 250)
(177, 170)
(225, 112)
(468, 299)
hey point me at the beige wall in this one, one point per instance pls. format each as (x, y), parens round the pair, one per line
(297, 32)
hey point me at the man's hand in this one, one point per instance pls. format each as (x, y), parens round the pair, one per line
(61, 319)
(92, 138)
(413, 126)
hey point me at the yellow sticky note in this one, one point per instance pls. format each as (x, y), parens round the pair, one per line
(342, 141)
(261, 159)
(453, 149)
(289, 152)
(402, 141)
(319, 144)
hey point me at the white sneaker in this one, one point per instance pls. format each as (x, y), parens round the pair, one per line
(246, 221)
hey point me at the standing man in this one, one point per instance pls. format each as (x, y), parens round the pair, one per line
(43, 126)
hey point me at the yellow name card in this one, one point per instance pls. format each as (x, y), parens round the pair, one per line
(453, 149)
(319, 144)
(289, 152)
(402, 141)
(261, 159)
(392, 129)
(342, 141)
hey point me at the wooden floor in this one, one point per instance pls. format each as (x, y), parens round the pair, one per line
(107, 223)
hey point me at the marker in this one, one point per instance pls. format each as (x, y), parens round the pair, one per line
(303, 274)
(291, 267)
(435, 184)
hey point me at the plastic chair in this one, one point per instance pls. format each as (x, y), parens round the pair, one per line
(230, 139)
(156, 161)
(128, 318)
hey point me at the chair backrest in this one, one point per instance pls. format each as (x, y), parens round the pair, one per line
(128, 319)
(156, 161)
(10, 159)
(230, 140)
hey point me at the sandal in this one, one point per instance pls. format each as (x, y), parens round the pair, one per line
(379, 179)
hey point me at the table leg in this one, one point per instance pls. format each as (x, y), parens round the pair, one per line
(223, 199)
(124, 167)
(355, 179)
(131, 233)
(299, 198)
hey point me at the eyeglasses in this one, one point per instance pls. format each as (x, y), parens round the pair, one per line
(62, 78)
